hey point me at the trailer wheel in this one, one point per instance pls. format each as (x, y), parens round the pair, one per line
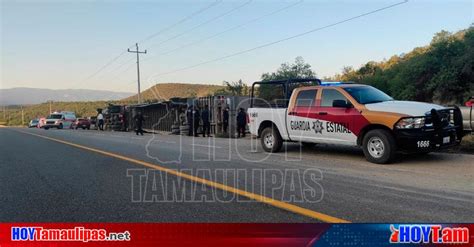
(379, 146)
(271, 140)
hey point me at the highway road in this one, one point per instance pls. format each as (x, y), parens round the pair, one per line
(89, 176)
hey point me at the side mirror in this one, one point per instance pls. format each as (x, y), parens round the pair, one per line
(341, 103)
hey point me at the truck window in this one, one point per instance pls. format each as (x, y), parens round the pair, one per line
(272, 95)
(306, 98)
(329, 95)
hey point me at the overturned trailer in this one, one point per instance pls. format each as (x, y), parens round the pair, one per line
(170, 116)
(159, 116)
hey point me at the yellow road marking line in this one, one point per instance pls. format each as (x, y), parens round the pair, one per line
(256, 197)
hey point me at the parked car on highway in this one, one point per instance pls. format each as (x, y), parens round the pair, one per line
(60, 120)
(33, 123)
(83, 123)
(349, 114)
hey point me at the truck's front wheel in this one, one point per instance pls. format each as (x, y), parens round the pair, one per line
(379, 146)
(271, 140)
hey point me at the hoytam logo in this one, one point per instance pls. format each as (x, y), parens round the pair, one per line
(75, 234)
(435, 234)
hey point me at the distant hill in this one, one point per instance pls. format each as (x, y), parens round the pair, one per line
(28, 96)
(165, 91)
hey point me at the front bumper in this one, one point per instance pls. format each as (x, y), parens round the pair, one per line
(425, 140)
(446, 131)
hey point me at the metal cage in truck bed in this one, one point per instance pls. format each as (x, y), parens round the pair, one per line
(278, 90)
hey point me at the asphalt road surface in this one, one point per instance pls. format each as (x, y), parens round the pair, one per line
(88, 176)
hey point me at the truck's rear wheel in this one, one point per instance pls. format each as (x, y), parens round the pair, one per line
(271, 140)
(379, 146)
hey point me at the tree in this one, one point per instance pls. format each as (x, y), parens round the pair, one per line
(236, 88)
(442, 72)
(299, 69)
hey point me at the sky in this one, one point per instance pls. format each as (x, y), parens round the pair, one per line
(66, 44)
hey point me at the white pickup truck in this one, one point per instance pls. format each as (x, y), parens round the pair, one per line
(310, 111)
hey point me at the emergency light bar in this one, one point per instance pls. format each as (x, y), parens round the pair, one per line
(329, 83)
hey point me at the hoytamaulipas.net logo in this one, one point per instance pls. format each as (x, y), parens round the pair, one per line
(433, 234)
(74, 234)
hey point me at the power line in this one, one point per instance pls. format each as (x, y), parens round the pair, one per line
(195, 27)
(150, 37)
(181, 21)
(284, 39)
(104, 66)
(125, 70)
(121, 65)
(203, 24)
(226, 31)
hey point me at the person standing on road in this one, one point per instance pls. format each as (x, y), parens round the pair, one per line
(196, 118)
(241, 122)
(225, 119)
(189, 116)
(206, 123)
(100, 120)
(139, 123)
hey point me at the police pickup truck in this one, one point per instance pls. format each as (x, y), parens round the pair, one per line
(310, 111)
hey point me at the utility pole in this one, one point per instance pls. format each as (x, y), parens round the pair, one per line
(138, 52)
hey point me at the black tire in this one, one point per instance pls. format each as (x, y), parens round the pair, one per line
(271, 140)
(46, 128)
(88, 127)
(308, 144)
(60, 126)
(382, 147)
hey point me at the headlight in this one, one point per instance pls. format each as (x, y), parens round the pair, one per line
(410, 123)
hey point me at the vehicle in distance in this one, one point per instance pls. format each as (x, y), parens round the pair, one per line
(60, 120)
(82, 123)
(33, 123)
(349, 114)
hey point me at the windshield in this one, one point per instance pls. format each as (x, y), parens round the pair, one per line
(367, 94)
(55, 116)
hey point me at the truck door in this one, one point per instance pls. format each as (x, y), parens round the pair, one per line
(334, 118)
(299, 122)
